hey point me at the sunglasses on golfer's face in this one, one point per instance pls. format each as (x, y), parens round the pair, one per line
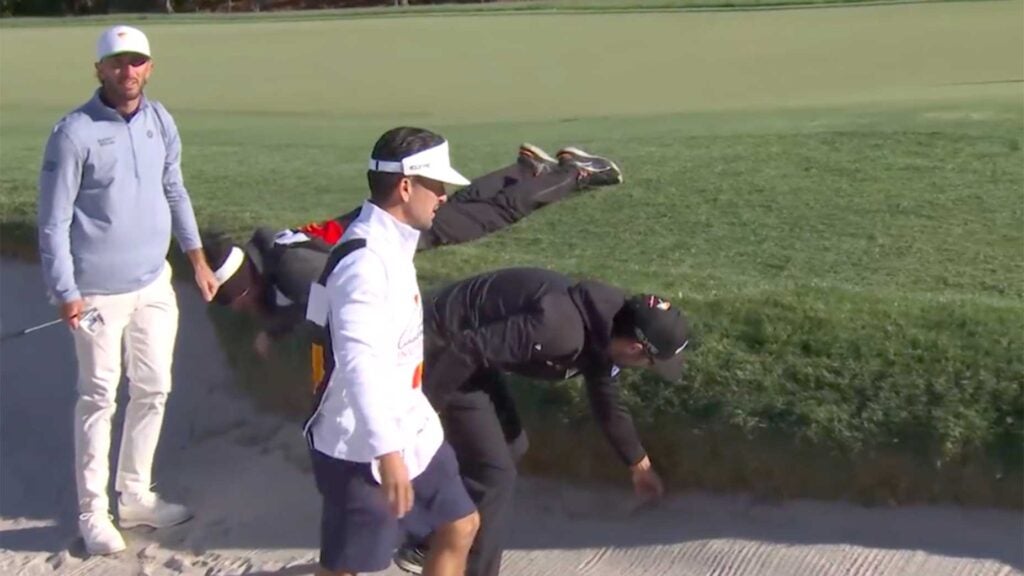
(133, 60)
(646, 346)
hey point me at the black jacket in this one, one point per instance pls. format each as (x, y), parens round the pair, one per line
(539, 324)
(287, 271)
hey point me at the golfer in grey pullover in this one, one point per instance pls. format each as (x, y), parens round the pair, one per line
(110, 195)
(109, 192)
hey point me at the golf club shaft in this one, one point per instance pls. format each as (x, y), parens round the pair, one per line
(32, 329)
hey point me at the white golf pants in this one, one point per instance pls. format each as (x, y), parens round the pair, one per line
(144, 324)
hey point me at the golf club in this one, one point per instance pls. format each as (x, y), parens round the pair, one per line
(10, 335)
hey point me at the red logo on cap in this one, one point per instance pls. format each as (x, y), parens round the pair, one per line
(122, 34)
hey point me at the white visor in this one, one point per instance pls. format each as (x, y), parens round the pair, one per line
(231, 265)
(432, 163)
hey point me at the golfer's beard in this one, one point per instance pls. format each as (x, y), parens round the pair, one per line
(122, 92)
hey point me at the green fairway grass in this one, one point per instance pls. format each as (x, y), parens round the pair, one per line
(566, 7)
(835, 195)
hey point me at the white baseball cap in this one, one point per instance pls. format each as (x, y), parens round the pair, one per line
(121, 39)
(433, 163)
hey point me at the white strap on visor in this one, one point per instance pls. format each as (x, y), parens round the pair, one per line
(433, 163)
(230, 265)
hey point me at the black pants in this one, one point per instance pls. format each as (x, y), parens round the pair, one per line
(481, 423)
(490, 203)
(496, 201)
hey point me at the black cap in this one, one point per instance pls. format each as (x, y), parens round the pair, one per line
(663, 331)
(232, 267)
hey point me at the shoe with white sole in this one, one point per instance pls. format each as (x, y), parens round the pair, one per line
(593, 170)
(99, 533)
(148, 509)
(536, 159)
(411, 557)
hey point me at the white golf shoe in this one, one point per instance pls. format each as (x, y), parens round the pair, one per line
(99, 533)
(147, 509)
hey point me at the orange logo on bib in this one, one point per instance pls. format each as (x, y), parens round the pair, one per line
(417, 376)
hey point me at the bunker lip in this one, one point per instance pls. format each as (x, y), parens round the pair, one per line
(245, 473)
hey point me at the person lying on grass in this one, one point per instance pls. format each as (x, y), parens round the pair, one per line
(269, 277)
